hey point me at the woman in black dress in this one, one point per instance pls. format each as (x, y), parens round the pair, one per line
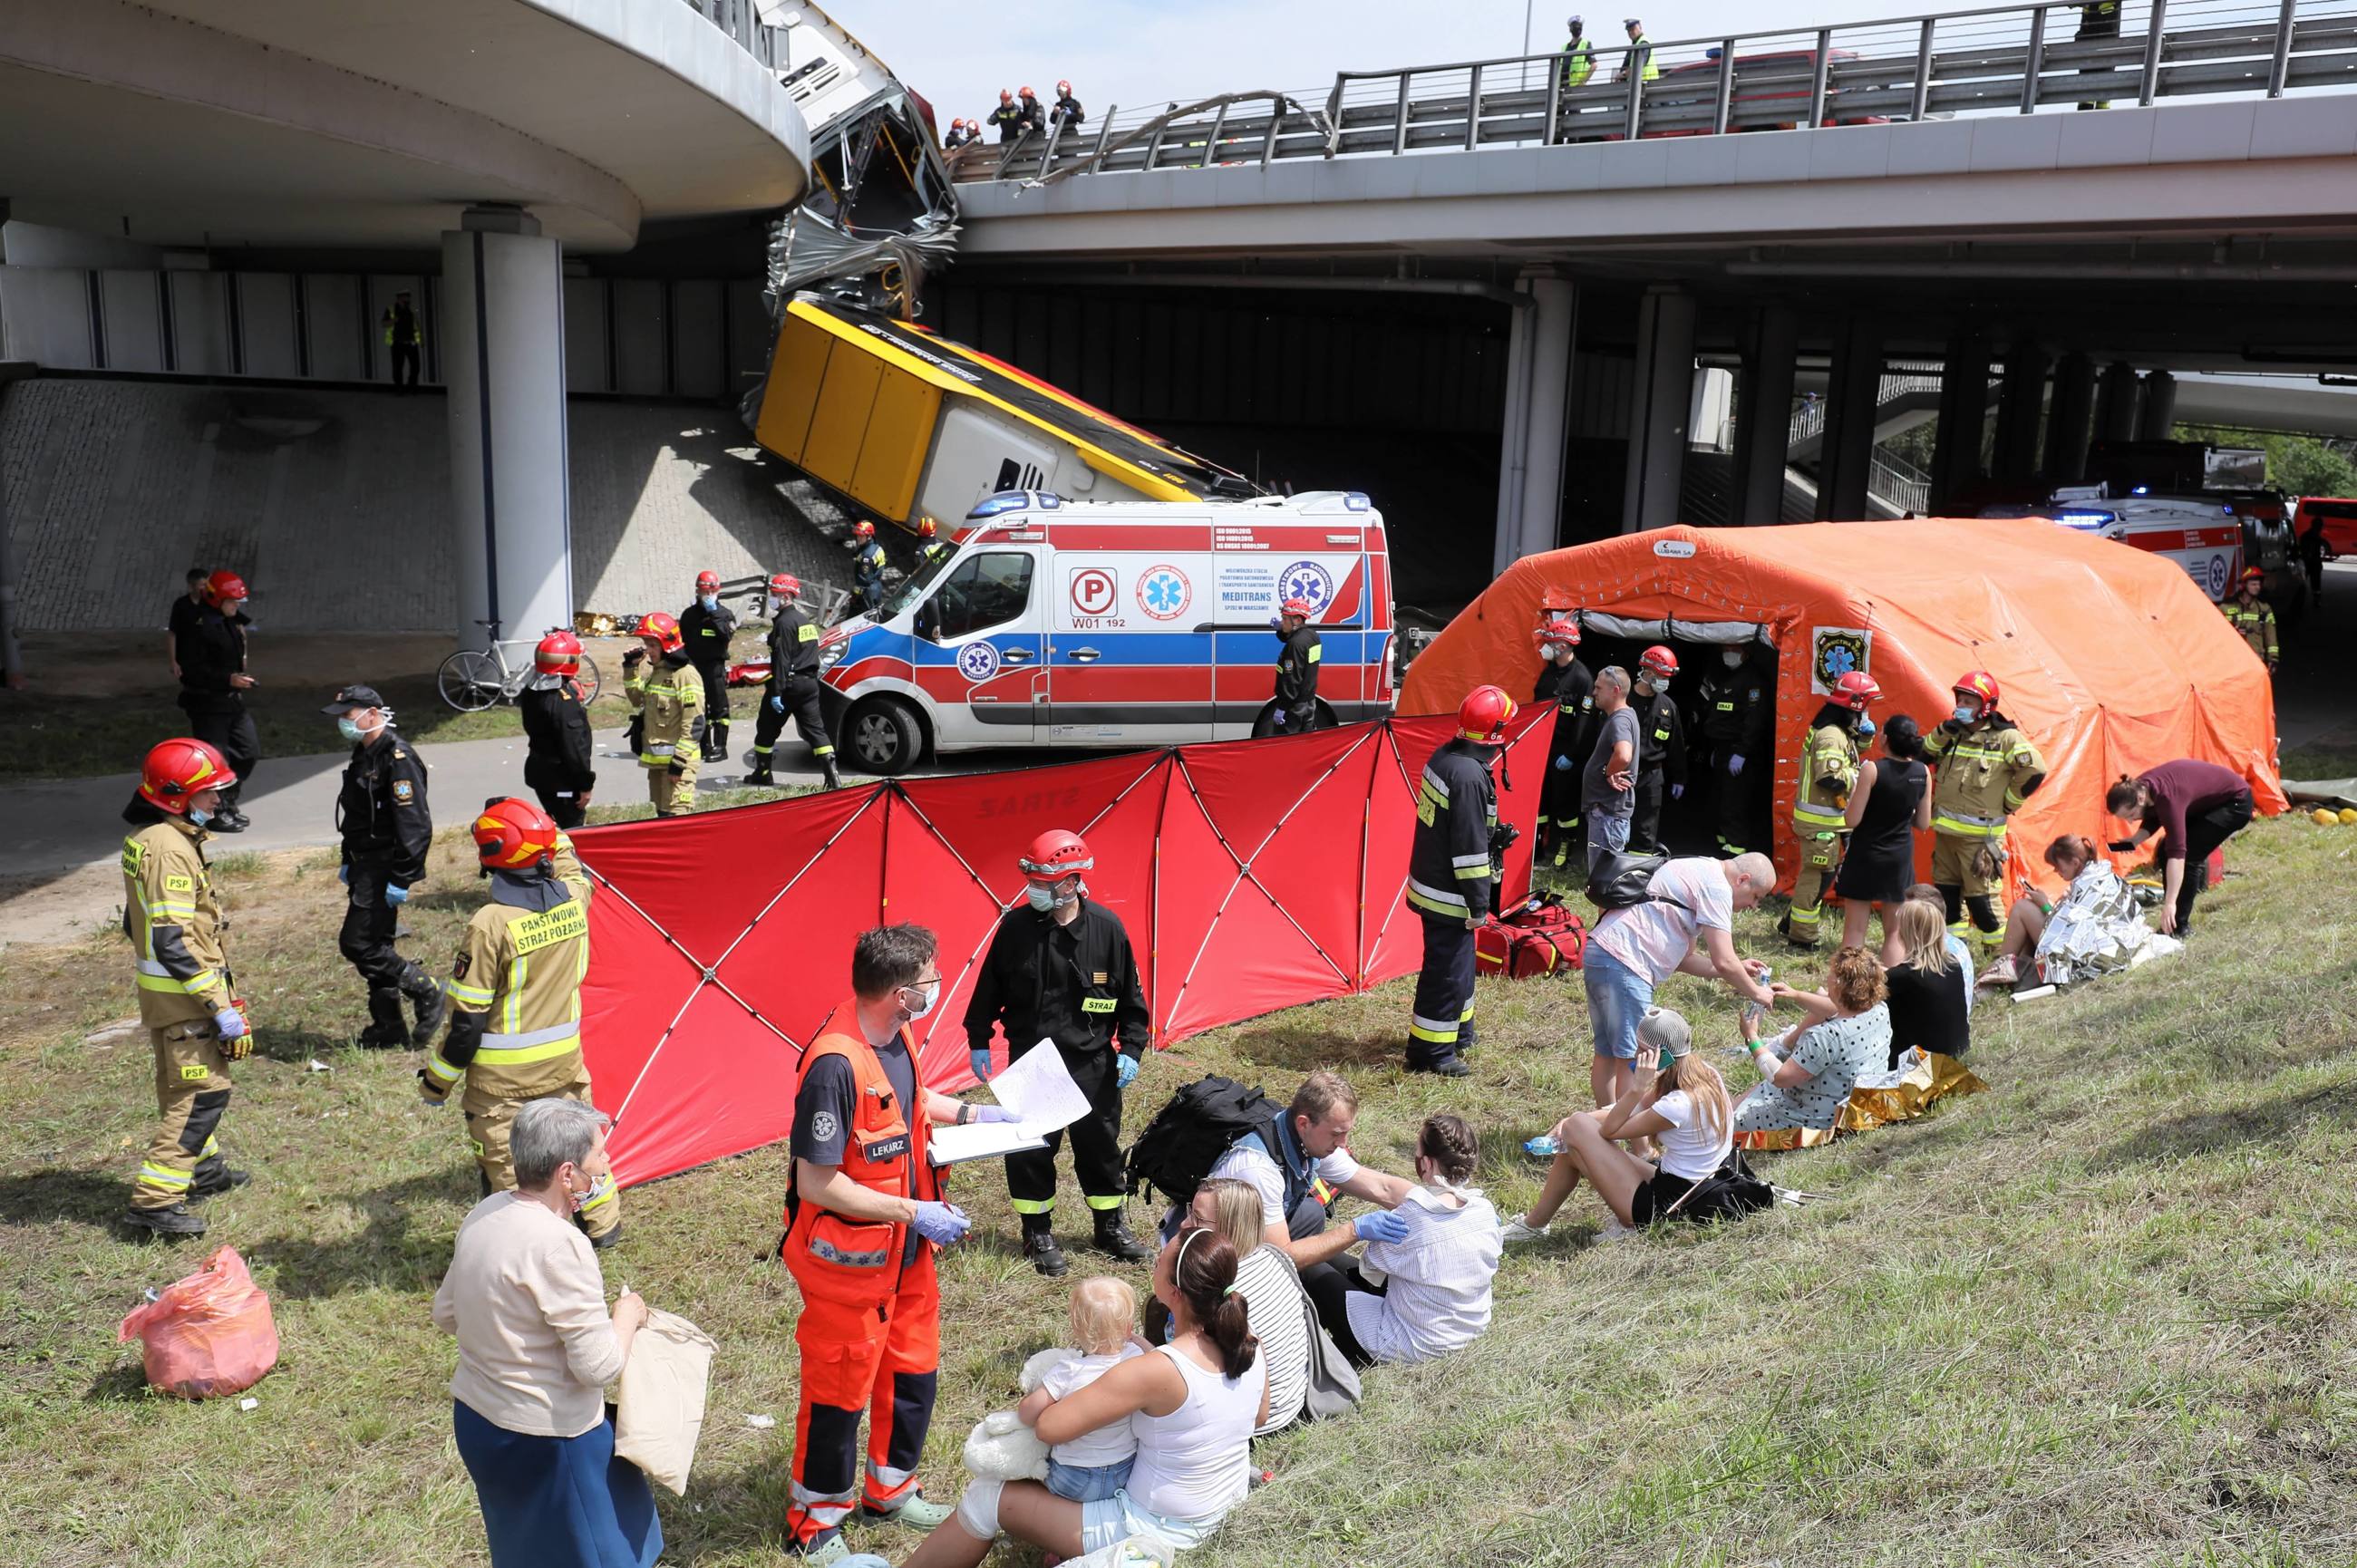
(1888, 807)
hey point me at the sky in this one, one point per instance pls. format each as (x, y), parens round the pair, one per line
(1122, 52)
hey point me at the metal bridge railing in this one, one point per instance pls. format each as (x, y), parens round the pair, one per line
(2015, 60)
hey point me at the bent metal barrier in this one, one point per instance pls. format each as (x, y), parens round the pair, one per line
(2015, 60)
(1252, 875)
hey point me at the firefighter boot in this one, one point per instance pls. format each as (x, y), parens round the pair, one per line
(173, 1219)
(833, 780)
(1039, 1245)
(716, 740)
(1113, 1238)
(387, 1030)
(760, 777)
(425, 997)
(214, 1177)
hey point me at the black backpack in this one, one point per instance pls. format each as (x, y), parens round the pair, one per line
(1187, 1136)
(1620, 880)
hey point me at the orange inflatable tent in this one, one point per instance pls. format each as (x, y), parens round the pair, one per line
(2109, 657)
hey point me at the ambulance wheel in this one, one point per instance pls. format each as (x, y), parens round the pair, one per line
(884, 736)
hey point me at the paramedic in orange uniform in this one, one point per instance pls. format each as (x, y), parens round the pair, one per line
(863, 1222)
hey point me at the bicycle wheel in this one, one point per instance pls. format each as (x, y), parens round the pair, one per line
(470, 681)
(588, 680)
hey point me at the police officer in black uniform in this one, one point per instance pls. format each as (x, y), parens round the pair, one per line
(1297, 669)
(387, 829)
(1062, 970)
(1737, 709)
(1571, 686)
(214, 683)
(705, 627)
(1661, 748)
(556, 763)
(793, 686)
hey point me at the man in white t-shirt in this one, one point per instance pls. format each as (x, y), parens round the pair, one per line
(1686, 923)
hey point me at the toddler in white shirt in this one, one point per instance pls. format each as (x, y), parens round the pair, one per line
(1096, 1464)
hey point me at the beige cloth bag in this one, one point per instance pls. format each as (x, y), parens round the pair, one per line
(658, 1406)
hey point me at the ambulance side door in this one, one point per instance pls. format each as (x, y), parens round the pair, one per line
(980, 643)
(1128, 661)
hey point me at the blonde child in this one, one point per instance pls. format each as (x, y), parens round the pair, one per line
(1094, 1465)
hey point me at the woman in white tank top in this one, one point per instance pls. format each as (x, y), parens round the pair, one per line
(1193, 1406)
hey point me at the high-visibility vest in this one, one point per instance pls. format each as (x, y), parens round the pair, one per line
(1579, 63)
(1641, 46)
(858, 1262)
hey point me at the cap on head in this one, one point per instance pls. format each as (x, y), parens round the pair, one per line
(1632, 23)
(559, 653)
(224, 587)
(1662, 1029)
(1979, 685)
(513, 834)
(176, 769)
(1484, 715)
(352, 699)
(1573, 22)
(1054, 855)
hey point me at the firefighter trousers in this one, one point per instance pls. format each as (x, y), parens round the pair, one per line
(491, 1121)
(884, 1361)
(192, 1089)
(228, 728)
(1443, 1008)
(716, 710)
(1821, 858)
(1096, 1142)
(1645, 817)
(565, 811)
(1733, 804)
(800, 694)
(674, 793)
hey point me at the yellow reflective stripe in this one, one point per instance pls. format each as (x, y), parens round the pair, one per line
(1473, 873)
(444, 1070)
(204, 980)
(1819, 816)
(1965, 829)
(157, 1173)
(511, 1010)
(472, 995)
(517, 1056)
(164, 911)
(1315, 654)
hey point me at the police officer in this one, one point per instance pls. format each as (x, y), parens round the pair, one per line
(794, 685)
(868, 565)
(1985, 769)
(1639, 59)
(195, 1027)
(214, 683)
(932, 549)
(667, 696)
(515, 997)
(2253, 619)
(556, 763)
(1062, 970)
(707, 625)
(1828, 770)
(1297, 655)
(399, 327)
(387, 829)
(1578, 56)
(1452, 877)
(1737, 711)
(1661, 748)
(1570, 686)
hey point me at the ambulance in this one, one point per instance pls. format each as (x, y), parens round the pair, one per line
(1063, 623)
(2202, 534)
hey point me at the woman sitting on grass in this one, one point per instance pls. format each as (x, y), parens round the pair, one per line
(1270, 1287)
(2096, 926)
(1683, 1106)
(1926, 996)
(1421, 1297)
(1808, 1071)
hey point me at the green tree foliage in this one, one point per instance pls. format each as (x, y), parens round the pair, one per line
(2301, 464)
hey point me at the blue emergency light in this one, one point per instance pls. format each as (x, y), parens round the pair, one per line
(1015, 500)
(2084, 519)
(1356, 501)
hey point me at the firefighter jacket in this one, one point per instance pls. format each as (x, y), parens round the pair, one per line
(172, 918)
(669, 698)
(382, 812)
(868, 568)
(557, 737)
(793, 648)
(1077, 984)
(933, 552)
(1986, 771)
(1828, 769)
(1736, 709)
(705, 633)
(1661, 744)
(515, 986)
(1572, 688)
(1297, 669)
(833, 1257)
(2255, 624)
(1450, 870)
(1066, 111)
(1010, 121)
(212, 651)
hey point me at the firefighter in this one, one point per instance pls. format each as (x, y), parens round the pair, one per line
(1828, 769)
(1062, 970)
(667, 695)
(960, 134)
(386, 829)
(2253, 619)
(934, 550)
(197, 1028)
(1661, 748)
(556, 765)
(1298, 653)
(1570, 685)
(214, 683)
(1006, 117)
(398, 327)
(864, 1217)
(706, 626)
(867, 565)
(794, 685)
(515, 997)
(1065, 114)
(1452, 878)
(1035, 118)
(1737, 707)
(1578, 56)
(1984, 768)
(1639, 59)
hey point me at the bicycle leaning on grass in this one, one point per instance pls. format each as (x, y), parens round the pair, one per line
(474, 678)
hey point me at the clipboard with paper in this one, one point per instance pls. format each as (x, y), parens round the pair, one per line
(1039, 1088)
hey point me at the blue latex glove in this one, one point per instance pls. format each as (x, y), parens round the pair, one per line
(1866, 730)
(1563, 765)
(1678, 791)
(1735, 765)
(1125, 1071)
(777, 702)
(1381, 1225)
(395, 896)
(230, 1024)
(980, 1061)
(1277, 718)
(942, 1224)
(994, 1114)
(344, 875)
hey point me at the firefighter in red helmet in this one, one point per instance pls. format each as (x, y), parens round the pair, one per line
(1570, 685)
(557, 765)
(1452, 878)
(1829, 760)
(794, 685)
(213, 684)
(1061, 969)
(705, 628)
(1661, 748)
(1297, 655)
(1985, 769)
(867, 563)
(667, 695)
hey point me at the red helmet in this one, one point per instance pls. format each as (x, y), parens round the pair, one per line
(512, 834)
(663, 628)
(176, 769)
(786, 585)
(1056, 855)
(1979, 685)
(223, 586)
(1855, 690)
(2250, 574)
(1483, 716)
(1297, 607)
(1658, 660)
(927, 529)
(559, 653)
(1564, 631)
(863, 529)
(1029, 93)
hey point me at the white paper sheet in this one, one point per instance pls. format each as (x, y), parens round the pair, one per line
(981, 1141)
(1040, 1090)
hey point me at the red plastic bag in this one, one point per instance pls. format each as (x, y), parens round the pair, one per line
(207, 1334)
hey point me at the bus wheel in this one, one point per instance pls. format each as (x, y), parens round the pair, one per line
(884, 736)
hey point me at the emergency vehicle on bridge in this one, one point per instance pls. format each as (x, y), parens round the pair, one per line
(1131, 623)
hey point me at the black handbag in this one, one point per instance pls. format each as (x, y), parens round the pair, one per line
(1729, 1192)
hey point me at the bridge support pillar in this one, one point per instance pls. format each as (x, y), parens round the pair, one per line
(2115, 403)
(2157, 416)
(2021, 402)
(2066, 420)
(1538, 393)
(1661, 408)
(1847, 460)
(1964, 415)
(1763, 415)
(503, 350)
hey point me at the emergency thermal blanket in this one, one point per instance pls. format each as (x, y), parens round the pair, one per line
(2097, 929)
(1250, 875)
(1920, 1080)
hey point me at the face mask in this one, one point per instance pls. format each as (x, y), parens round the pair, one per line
(199, 817)
(350, 730)
(776, 603)
(708, 601)
(931, 993)
(1732, 658)
(1550, 652)
(1042, 898)
(1966, 712)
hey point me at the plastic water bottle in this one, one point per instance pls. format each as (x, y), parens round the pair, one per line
(1542, 1147)
(1752, 1011)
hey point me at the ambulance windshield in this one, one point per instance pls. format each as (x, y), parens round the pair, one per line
(916, 585)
